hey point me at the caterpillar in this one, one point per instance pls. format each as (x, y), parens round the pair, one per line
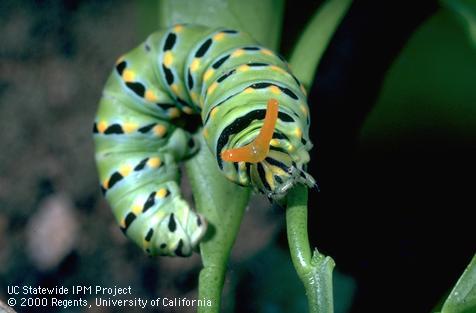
(254, 118)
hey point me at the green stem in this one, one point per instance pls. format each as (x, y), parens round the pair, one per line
(315, 39)
(222, 203)
(210, 282)
(314, 271)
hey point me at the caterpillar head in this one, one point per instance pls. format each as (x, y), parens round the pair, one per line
(271, 171)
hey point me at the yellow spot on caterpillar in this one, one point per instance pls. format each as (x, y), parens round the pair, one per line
(290, 148)
(274, 142)
(159, 130)
(248, 90)
(208, 74)
(102, 127)
(244, 180)
(303, 109)
(194, 97)
(136, 208)
(277, 69)
(168, 58)
(237, 53)
(243, 68)
(150, 96)
(122, 223)
(213, 112)
(195, 64)
(303, 90)
(212, 88)
(174, 112)
(266, 52)
(187, 110)
(154, 162)
(105, 183)
(205, 133)
(298, 132)
(269, 179)
(178, 28)
(162, 193)
(125, 170)
(218, 36)
(275, 90)
(175, 88)
(277, 171)
(129, 127)
(128, 75)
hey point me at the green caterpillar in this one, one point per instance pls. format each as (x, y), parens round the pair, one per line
(227, 78)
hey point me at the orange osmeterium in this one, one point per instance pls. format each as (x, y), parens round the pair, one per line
(258, 149)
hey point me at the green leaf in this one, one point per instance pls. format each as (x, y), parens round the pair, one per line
(315, 39)
(429, 87)
(262, 19)
(462, 298)
(465, 10)
(222, 203)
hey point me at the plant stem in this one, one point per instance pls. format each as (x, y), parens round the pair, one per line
(314, 271)
(314, 40)
(210, 284)
(222, 203)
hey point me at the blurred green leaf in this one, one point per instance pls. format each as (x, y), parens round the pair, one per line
(465, 10)
(462, 298)
(148, 11)
(262, 19)
(315, 39)
(430, 86)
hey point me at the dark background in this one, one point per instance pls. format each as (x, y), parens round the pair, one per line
(393, 158)
(394, 207)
